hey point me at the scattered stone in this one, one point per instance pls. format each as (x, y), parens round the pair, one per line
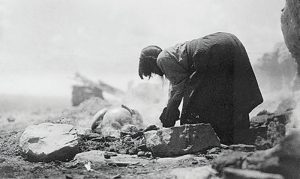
(214, 150)
(195, 162)
(205, 172)
(148, 154)
(181, 140)
(242, 147)
(284, 159)
(141, 154)
(132, 151)
(129, 129)
(211, 156)
(48, 142)
(231, 173)
(266, 131)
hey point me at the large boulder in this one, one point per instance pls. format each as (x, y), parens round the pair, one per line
(48, 142)
(181, 140)
(290, 26)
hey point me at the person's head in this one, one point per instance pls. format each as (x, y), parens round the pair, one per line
(147, 64)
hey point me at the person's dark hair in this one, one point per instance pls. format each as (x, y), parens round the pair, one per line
(147, 59)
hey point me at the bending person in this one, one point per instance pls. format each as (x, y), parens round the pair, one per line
(213, 76)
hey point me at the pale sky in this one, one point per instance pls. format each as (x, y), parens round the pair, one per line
(44, 42)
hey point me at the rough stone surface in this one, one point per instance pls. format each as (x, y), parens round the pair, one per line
(290, 24)
(181, 140)
(205, 172)
(231, 173)
(283, 159)
(48, 142)
(267, 130)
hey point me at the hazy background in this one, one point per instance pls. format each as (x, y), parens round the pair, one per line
(44, 42)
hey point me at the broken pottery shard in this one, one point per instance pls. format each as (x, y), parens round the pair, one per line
(47, 142)
(181, 140)
(231, 173)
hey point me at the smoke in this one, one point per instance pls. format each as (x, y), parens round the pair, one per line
(149, 98)
(276, 72)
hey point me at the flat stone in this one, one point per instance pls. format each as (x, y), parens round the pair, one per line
(185, 139)
(47, 142)
(232, 173)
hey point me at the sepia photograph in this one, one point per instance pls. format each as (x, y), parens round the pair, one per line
(171, 89)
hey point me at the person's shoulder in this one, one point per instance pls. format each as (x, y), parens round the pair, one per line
(162, 56)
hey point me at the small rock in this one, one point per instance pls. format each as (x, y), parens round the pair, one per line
(211, 156)
(107, 155)
(232, 173)
(129, 129)
(127, 138)
(132, 151)
(195, 162)
(148, 154)
(141, 154)
(181, 140)
(214, 150)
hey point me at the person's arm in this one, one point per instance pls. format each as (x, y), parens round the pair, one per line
(171, 113)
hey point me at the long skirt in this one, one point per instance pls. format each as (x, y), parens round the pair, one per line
(224, 89)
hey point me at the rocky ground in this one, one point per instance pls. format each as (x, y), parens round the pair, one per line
(128, 157)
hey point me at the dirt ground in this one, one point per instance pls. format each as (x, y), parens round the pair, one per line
(13, 165)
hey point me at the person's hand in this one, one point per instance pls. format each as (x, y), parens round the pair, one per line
(169, 117)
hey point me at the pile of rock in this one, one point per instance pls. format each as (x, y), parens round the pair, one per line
(282, 160)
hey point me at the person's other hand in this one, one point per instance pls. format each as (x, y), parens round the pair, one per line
(169, 117)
